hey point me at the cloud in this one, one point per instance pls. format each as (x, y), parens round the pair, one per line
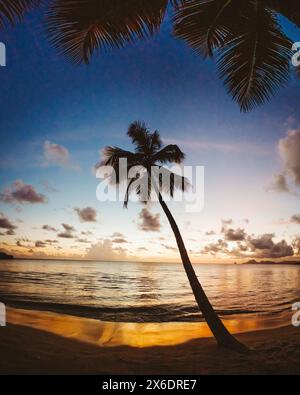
(215, 248)
(87, 214)
(86, 233)
(143, 249)
(264, 247)
(49, 228)
(40, 244)
(210, 233)
(19, 192)
(228, 221)
(6, 224)
(289, 151)
(230, 147)
(57, 155)
(65, 235)
(49, 187)
(234, 234)
(104, 250)
(68, 233)
(68, 228)
(167, 247)
(295, 219)
(149, 222)
(85, 241)
(117, 234)
(279, 184)
(119, 240)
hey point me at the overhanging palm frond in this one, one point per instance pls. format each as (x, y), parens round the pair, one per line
(79, 27)
(13, 10)
(205, 24)
(255, 63)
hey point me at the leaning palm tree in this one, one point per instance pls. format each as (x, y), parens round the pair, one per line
(149, 158)
(247, 40)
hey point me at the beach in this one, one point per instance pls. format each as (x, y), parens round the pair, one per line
(38, 342)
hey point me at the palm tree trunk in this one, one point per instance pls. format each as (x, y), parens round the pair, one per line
(222, 335)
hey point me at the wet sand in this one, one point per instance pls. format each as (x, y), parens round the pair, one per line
(48, 343)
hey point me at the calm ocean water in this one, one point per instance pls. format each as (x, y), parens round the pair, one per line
(146, 292)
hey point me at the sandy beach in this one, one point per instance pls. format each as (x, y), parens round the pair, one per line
(48, 343)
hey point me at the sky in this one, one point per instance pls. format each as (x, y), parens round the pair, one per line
(57, 117)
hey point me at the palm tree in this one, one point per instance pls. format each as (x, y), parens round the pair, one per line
(252, 52)
(149, 157)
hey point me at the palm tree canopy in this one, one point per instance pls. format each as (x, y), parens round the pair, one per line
(147, 160)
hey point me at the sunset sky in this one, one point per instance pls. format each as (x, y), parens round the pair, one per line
(56, 118)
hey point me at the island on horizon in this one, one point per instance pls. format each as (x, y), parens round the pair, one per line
(254, 262)
(3, 255)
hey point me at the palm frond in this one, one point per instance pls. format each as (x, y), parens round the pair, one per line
(79, 27)
(205, 24)
(288, 8)
(140, 137)
(156, 142)
(169, 154)
(254, 64)
(112, 157)
(12, 11)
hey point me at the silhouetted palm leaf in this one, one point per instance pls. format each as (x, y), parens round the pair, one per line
(255, 63)
(112, 157)
(79, 27)
(171, 153)
(13, 10)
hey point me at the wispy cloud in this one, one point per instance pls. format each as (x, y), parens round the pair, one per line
(57, 155)
(230, 147)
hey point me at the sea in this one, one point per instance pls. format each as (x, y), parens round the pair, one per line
(147, 292)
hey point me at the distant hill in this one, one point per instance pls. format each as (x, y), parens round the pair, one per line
(3, 255)
(254, 262)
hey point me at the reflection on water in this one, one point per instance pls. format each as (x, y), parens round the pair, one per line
(147, 292)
